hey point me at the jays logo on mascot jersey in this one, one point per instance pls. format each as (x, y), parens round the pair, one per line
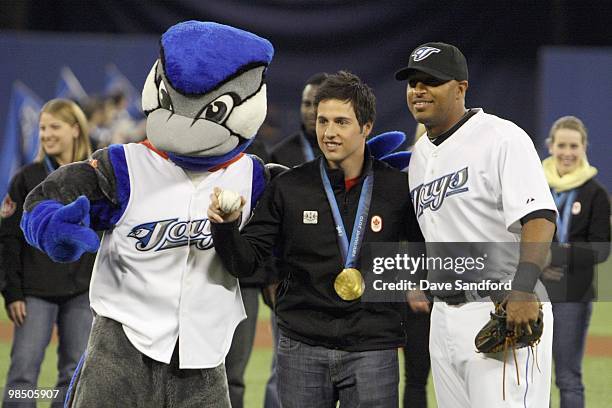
(432, 194)
(172, 233)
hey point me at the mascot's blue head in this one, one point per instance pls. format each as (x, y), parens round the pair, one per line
(205, 97)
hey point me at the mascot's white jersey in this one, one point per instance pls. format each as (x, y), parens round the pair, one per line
(157, 272)
(477, 184)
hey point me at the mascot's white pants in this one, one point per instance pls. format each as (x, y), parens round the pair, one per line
(464, 378)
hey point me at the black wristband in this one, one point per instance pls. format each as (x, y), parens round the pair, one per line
(526, 277)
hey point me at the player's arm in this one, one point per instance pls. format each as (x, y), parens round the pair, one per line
(528, 205)
(242, 252)
(61, 214)
(522, 305)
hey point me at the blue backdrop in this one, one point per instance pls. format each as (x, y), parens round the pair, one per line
(578, 81)
(370, 38)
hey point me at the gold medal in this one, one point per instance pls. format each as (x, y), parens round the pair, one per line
(349, 284)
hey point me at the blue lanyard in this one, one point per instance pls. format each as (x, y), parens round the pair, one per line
(350, 252)
(48, 165)
(306, 148)
(564, 202)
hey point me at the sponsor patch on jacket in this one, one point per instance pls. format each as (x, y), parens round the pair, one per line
(311, 217)
(576, 208)
(376, 223)
(8, 207)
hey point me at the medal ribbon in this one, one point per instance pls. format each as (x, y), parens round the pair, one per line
(564, 202)
(350, 252)
(306, 148)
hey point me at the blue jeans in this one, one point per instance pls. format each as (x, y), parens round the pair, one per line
(569, 338)
(318, 377)
(73, 318)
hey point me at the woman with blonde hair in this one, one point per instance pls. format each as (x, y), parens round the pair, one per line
(582, 240)
(40, 293)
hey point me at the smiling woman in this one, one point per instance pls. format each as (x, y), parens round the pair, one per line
(582, 241)
(40, 293)
(63, 132)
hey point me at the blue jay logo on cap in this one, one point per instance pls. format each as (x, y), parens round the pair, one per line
(423, 53)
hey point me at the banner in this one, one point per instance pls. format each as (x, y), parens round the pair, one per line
(69, 87)
(20, 143)
(117, 82)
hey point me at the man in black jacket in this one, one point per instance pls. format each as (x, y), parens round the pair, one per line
(302, 146)
(332, 347)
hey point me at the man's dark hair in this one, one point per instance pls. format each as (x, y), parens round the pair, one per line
(316, 79)
(347, 87)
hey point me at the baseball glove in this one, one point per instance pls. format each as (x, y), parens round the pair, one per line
(495, 337)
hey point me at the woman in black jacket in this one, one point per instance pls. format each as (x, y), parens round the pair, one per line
(40, 293)
(582, 241)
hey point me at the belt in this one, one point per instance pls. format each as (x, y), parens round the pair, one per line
(464, 297)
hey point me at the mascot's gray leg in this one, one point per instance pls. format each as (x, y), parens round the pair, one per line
(115, 374)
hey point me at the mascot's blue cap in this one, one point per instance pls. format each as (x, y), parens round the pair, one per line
(195, 61)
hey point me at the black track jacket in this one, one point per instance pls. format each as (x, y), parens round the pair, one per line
(308, 309)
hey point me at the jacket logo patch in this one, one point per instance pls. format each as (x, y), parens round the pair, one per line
(8, 207)
(311, 217)
(576, 208)
(168, 234)
(376, 223)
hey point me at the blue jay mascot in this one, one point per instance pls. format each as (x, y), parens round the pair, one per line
(165, 308)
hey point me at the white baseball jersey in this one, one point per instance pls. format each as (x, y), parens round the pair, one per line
(157, 272)
(477, 184)
(475, 187)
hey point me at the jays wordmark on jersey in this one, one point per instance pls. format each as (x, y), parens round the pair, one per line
(477, 184)
(172, 233)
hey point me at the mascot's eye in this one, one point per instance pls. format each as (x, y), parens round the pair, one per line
(164, 98)
(219, 109)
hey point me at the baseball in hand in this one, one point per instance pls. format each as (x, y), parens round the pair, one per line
(229, 201)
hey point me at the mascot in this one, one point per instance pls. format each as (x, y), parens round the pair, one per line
(165, 308)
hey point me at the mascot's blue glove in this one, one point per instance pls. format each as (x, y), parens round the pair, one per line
(382, 147)
(61, 231)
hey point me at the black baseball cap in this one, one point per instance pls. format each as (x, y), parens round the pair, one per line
(440, 60)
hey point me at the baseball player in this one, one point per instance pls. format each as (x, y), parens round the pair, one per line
(477, 178)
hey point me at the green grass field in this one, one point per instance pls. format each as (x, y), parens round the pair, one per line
(597, 370)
